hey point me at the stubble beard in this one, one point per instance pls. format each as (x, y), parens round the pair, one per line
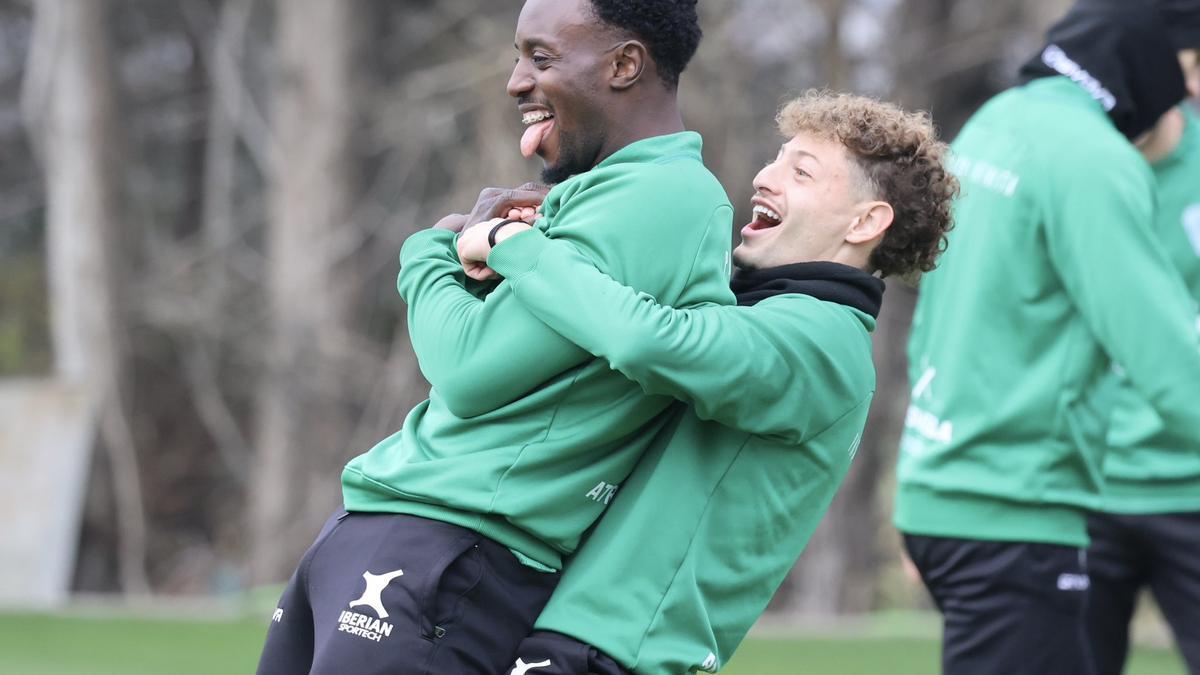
(573, 158)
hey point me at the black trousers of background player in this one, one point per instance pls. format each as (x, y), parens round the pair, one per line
(1008, 608)
(1128, 553)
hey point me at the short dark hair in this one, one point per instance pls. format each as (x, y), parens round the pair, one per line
(670, 29)
(903, 162)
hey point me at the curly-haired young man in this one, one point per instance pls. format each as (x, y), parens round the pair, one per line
(774, 392)
(456, 525)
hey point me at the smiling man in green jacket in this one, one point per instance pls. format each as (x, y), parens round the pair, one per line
(716, 514)
(455, 527)
(1052, 273)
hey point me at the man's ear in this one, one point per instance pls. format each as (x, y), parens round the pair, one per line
(628, 63)
(871, 224)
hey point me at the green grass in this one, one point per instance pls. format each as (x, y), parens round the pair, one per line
(78, 645)
(45, 645)
(894, 656)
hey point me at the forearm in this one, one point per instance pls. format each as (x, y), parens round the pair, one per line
(1129, 313)
(432, 284)
(690, 355)
(1169, 374)
(479, 354)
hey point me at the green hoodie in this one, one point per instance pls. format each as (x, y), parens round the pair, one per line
(1051, 270)
(1145, 471)
(716, 513)
(525, 436)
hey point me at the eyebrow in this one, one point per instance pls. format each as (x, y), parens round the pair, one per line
(531, 42)
(784, 149)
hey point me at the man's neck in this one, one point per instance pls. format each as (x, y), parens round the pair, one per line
(857, 256)
(657, 119)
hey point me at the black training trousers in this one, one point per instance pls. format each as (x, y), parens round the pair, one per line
(1008, 608)
(387, 593)
(1161, 551)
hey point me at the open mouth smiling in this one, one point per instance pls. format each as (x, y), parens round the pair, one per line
(539, 122)
(764, 218)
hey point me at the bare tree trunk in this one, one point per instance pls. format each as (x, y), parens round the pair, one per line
(833, 56)
(203, 357)
(305, 416)
(71, 108)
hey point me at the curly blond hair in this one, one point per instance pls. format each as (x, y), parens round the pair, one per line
(902, 162)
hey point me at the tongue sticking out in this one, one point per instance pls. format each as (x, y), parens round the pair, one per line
(533, 137)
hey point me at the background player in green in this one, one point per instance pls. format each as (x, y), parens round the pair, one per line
(457, 524)
(1148, 530)
(717, 512)
(1052, 271)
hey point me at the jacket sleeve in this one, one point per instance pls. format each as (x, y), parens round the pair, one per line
(481, 354)
(1100, 238)
(478, 353)
(741, 367)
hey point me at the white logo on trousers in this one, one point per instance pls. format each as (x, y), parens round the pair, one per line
(375, 585)
(1073, 582)
(521, 667)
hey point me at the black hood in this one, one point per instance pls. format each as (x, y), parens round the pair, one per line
(1183, 22)
(1120, 52)
(823, 280)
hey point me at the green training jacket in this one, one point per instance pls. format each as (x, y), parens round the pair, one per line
(715, 515)
(1052, 270)
(1145, 470)
(525, 436)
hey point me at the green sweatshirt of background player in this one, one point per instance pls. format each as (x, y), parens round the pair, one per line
(1145, 471)
(1052, 269)
(716, 513)
(525, 436)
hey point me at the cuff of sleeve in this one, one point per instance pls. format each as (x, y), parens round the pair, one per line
(518, 255)
(425, 240)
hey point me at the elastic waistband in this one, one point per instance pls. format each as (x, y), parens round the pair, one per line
(922, 510)
(493, 527)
